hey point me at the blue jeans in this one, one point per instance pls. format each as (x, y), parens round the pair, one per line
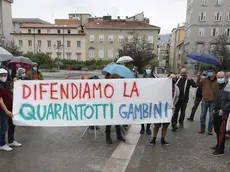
(6, 124)
(205, 107)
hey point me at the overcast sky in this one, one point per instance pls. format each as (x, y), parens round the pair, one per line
(164, 13)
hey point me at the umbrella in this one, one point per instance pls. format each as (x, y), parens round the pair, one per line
(124, 59)
(205, 58)
(107, 67)
(5, 55)
(21, 60)
(222, 129)
(118, 69)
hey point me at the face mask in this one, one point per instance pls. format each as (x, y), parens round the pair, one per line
(202, 77)
(220, 80)
(3, 79)
(210, 74)
(35, 68)
(148, 71)
(23, 74)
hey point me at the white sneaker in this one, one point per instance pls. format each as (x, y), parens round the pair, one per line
(6, 148)
(15, 144)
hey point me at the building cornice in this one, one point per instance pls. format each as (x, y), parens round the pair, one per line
(120, 28)
(49, 34)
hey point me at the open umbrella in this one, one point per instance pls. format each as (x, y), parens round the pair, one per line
(204, 58)
(124, 59)
(118, 69)
(5, 55)
(21, 60)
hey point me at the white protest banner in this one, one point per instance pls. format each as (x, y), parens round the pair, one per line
(92, 102)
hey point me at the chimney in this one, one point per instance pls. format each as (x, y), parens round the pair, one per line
(118, 17)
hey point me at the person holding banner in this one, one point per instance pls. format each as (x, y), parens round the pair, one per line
(35, 73)
(108, 127)
(148, 73)
(6, 102)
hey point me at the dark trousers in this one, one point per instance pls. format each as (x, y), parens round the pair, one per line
(195, 106)
(180, 107)
(108, 130)
(6, 123)
(217, 123)
(148, 126)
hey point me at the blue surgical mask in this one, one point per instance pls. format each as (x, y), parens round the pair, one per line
(202, 76)
(210, 74)
(148, 71)
(35, 68)
(220, 80)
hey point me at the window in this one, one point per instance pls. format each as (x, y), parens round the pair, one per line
(201, 32)
(68, 55)
(78, 56)
(49, 43)
(39, 31)
(101, 53)
(204, 2)
(218, 2)
(120, 38)
(69, 31)
(91, 52)
(215, 32)
(30, 43)
(39, 43)
(217, 16)
(58, 43)
(101, 38)
(110, 53)
(91, 38)
(29, 30)
(202, 16)
(200, 48)
(228, 16)
(68, 44)
(150, 39)
(78, 44)
(59, 31)
(110, 38)
(48, 30)
(227, 32)
(20, 43)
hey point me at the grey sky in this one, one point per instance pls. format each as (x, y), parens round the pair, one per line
(164, 13)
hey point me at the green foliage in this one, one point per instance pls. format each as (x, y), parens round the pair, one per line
(139, 49)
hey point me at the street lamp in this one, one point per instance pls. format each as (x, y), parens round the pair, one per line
(58, 47)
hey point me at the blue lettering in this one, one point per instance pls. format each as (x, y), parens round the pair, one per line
(145, 110)
(65, 112)
(81, 110)
(130, 111)
(50, 111)
(30, 112)
(138, 109)
(85, 112)
(41, 118)
(104, 110)
(57, 109)
(73, 112)
(166, 109)
(121, 112)
(158, 110)
(111, 110)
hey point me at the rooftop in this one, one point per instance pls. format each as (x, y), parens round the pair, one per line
(49, 26)
(29, 20)
(119, 24)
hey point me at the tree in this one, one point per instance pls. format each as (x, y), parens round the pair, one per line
(222, 52)
(40, 58)
(13, 48)
(138, 48)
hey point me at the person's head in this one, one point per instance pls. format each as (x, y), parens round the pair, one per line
(3, 75)
(221, 77)
(35, 67)
(114, 76)
(204, 74)
(94, 77)
(183, 73)
(228, 75)
(21, 73)
(107, 76)
(148, 70)
(82, 77)
(211, 72)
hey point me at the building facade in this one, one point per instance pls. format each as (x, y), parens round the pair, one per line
(59, 41)
(83, 17)
(162, 54)
(205, 21)
(18, 22)
(5, 21)
(104, 37)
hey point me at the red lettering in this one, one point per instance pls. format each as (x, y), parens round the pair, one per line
(74, 88)
(86, 91)
(35, 92)
(64, 91)
(80, 91)
(97, 87)
(41, 91)
(52, 91)
(24, 89)
(105, 90)
(134, 90)
(124, 93)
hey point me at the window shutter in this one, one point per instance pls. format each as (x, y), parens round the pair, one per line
(211, 32)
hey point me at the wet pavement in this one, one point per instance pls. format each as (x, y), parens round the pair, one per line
(62, 149)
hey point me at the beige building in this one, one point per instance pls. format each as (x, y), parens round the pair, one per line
(83, 17)
(104, 37)
(177, 49)
(62, 41)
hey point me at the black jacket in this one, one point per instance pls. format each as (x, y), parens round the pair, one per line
(184, 94)
(222, 101)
